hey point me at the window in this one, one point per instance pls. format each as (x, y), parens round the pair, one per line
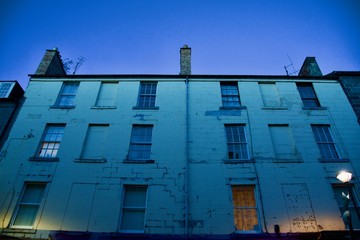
(308, 95)
(5, 89)
(230, 94)
(282, 141)
(67, 95)
(51, 141)
(133, 209)
(245, 214)
(325, 141)
(236, 141)
(107, 93)
(269, 94)
(95, 142)
(147, 95)
(140, 142)
(353, 203)
(27, 208)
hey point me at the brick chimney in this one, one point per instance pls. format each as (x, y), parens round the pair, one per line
(51, 64)
(185, 60)
(310, 68)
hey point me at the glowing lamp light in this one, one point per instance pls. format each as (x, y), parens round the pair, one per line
(344, 176)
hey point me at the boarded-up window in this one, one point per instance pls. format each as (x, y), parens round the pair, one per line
(245, 214)
(107, 94)
(95, 143)
(269, 94)
(282, 141)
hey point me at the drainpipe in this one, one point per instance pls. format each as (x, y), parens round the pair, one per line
(186, 173)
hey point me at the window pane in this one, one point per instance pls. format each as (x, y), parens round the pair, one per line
(26, 215)
(325, 141)
(230, 94)
(135, 196)
(147, 95)
(51, 141)
(308, 95)
(67, 95)
(33, 193)
(236, 140)
(245, 213)
(133, 219)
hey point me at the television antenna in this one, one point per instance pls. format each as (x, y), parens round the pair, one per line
(290, 69)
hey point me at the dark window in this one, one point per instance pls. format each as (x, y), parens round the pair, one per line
(147, 94)
(236, 141)
(308, 95)
(230, 94)
(140, 142)
(325, 141)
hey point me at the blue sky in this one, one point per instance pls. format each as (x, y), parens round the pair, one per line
(144, 36)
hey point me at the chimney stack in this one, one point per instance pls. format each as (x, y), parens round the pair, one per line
(185, 60)
(51, 64)
(310, 68)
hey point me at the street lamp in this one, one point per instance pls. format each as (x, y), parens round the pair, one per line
(345, 177)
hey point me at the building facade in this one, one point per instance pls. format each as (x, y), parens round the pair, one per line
(179, 156)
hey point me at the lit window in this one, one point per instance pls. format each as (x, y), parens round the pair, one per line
(5, 89)
(133, 209)
(107, 93)
(236, 142)
(140, 142)
(245, 214)
(27, 208)
(325, 141)
(51, 141)
(230, 94)
(147, 95)
(338, 190)
(67, 95)
(308, 95)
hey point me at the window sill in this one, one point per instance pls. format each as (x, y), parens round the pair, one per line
(145, 108)
(233, 108)
(87, 160)
(237, 161)
(294, 160)
(103, 107)
(136, 161)
(14, 229)
(274, 108)
(62, 107)
(41, 159)
(314, 108)
(338, 160)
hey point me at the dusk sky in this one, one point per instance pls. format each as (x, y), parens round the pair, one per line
(144, 36)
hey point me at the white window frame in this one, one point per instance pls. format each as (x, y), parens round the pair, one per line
(143, 208)
(240, 127)
(67, 95)
(140, 142)
(56, 141)
(8, 91)
(21, 203)
(247, 207)
(225, 87)
(145, 97)
(321, 144)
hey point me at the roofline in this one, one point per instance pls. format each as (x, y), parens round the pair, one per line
(177, 76)
(344, 73)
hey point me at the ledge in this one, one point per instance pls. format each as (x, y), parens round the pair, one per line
(41, 159)
(274, 108)
(237, 161)
(338, 160)
(103, 107)
(233, 108)
(314, 108)
(19, 230)
(136, 161)
(88, 160)
(62, 107)
(145, 108)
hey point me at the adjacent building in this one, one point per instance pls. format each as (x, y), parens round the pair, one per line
(180, 156)
(11, 94)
